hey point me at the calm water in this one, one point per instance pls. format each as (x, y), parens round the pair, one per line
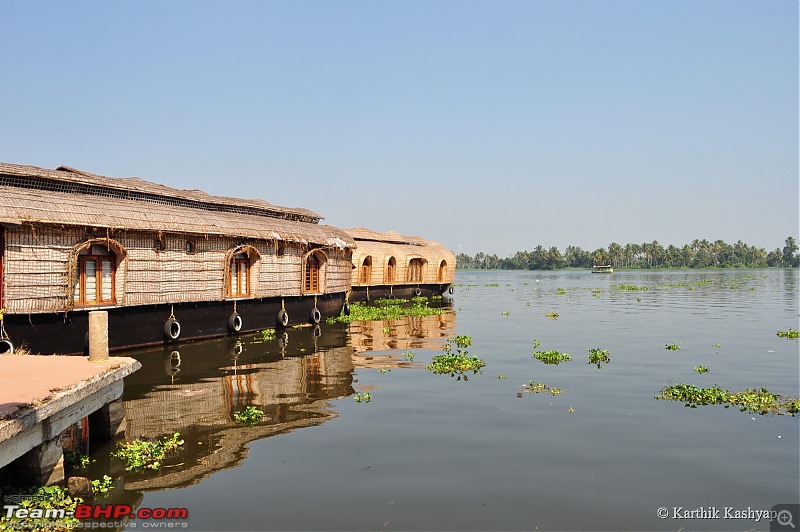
(430, 452)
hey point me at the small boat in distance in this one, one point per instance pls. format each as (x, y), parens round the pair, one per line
(602, 269)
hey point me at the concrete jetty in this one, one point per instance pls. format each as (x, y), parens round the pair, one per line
(41, 396)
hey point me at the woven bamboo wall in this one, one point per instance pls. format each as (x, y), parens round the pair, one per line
(38, 271)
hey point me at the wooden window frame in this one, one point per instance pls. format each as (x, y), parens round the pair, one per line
(365, 274)
(415, 267)
(98, 272)
(311, 279)
(236, 264)
(391, 270)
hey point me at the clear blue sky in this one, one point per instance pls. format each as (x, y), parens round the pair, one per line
(489, 126)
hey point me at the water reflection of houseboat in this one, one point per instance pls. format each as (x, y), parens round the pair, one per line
(199, 389)
(390, 264)
(167, 264)
(372, 339)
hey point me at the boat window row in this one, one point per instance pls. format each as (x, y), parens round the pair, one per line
(96, 268)
(415, 271)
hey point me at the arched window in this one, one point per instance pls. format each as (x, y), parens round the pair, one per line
(391, 266)
(442, 272)
(414, 273)
(312, 274)
(94, 276)
(239, 284)
(366, 271)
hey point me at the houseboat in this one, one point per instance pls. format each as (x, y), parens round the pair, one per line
(393, 265)
(167, 264)
(605, 268)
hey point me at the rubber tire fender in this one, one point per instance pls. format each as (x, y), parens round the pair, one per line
(283, 318)
(6, 347)
(451, 290)
(346, 309)
(172, 329)
(418, 291)
(235, 322)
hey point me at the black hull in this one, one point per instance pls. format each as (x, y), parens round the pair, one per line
(67, 333)
(371, 293)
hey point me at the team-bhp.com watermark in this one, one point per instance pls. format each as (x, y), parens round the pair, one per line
(780, 516)
(90, 516)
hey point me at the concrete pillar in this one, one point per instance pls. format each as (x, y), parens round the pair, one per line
(108, 422)
(98, 335)
(41, 466)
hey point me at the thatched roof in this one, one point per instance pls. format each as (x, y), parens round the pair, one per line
(392, 243)
(70, 197)
(391, 237)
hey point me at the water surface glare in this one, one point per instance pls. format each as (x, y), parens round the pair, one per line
(430, 452)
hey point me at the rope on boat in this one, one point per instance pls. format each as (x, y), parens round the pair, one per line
(3, 335)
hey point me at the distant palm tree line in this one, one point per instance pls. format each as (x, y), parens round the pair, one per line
(697, 254)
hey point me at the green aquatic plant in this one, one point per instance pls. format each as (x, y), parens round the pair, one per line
(385, 301)
(630, 287)
(249, 416)
(146, 454)
(462, 340)
(455, 364)
(502, 376)
(409, 355)
(455, 359)
(552, 315)
(551, 356)
(76, 460)
(51, 508)
(759, 401)
(791, 333)
(598, 356)
(672, 347)
(701, 369)
(561, 292)
(387, 310)
(268, 334)
(102, 486)
(506, 313)
(538, 387)
(364, 397)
